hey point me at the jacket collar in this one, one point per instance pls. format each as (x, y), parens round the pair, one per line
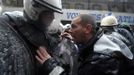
(88, 48)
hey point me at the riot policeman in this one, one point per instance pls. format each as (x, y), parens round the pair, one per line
(22, 33)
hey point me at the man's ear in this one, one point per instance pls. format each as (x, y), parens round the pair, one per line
(88, 28)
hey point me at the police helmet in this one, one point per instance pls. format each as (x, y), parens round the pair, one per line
(33, 8)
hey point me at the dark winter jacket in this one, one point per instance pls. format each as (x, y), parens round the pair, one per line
(108, 56)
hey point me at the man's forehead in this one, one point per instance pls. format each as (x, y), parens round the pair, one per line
(76, 20)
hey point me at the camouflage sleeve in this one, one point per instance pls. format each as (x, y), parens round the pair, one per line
(14, 56)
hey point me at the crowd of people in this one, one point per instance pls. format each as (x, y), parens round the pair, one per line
(26, 47)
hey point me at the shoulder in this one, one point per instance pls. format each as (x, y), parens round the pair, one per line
(14, 14)
(13, 17)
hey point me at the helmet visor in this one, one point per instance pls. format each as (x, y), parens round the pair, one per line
(54, 7)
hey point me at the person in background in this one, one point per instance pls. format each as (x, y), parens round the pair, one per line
(127, 27)
(120, 33)
(126, 31)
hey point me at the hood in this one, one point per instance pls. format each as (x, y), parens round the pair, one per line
(108, 44)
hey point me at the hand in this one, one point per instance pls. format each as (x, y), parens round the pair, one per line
(66, 35)
(42, 55)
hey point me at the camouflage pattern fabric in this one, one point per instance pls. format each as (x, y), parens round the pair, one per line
(15, 58)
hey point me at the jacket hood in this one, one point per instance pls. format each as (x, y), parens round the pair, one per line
(108, 44)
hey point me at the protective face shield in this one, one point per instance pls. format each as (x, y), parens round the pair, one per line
(42, 10)
(109, 21)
